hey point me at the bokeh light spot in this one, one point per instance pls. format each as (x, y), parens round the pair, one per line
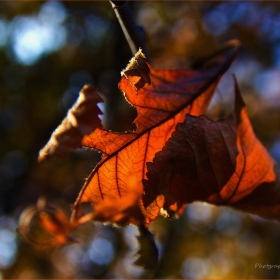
(267, 83)
(31, 38)
(194, 268)
(53, 11)
(216, 22)
(101, 251)
(199, 212)
(68, 259)
(8, 242)
(228, 223)
(249, 243)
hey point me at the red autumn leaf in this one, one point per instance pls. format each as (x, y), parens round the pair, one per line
(218, 162)
(162, 98)
(81, 119)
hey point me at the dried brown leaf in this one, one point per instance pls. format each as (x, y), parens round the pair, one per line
(81, 119)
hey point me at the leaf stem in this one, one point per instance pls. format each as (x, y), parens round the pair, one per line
(134, 34)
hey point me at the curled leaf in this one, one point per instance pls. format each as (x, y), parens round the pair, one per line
(45, 226)
(81, 119)
(218, 162)
(138, 70)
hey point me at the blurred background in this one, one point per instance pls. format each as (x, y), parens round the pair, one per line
(48, 51)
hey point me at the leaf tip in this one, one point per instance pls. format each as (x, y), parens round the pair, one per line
(238, 98)
(81, 119)
(137, 71)
(43, 155)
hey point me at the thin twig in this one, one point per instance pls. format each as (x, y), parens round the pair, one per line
(134, 34)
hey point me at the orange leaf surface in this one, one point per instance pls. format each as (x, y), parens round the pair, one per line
(81, 119)
(162, 98)
(218, 162)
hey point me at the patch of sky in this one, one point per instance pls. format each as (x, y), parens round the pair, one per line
(219, 19)
(215, 22)
(270, 25)
(52, 12)
(34, 36)
(246, 69)
(267, 84)
(246, 13)
(276, 54)
(275, 151)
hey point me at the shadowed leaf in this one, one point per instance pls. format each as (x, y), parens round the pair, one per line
(218, 162)
(148, 253)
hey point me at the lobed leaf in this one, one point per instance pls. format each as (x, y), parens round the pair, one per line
(162, 99)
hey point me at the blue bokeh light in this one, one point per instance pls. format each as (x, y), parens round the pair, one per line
(34, 36)
(195, 268)
(101, 251)
(216, 22)
(275, 151)
(8, 242)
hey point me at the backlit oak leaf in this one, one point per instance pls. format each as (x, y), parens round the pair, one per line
(162, 99)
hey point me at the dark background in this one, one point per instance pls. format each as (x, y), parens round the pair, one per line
(48, 51)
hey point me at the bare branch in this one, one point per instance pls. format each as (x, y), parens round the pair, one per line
(135, 35)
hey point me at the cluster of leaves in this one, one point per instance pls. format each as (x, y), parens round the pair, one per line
(174, 157)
